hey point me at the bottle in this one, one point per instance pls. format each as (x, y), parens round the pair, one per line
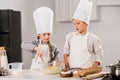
(4, 60)
(1, 48)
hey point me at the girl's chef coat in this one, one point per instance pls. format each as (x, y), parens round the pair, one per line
(83, 50)
(30, 46)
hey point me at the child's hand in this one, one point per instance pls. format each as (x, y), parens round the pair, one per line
(57, 63)
(66, 69)
(38, 51)
(95, 64)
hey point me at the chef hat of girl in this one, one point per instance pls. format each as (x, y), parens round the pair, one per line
(83, 11)
(43, 18)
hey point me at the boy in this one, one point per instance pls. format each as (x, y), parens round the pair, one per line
(82, 49)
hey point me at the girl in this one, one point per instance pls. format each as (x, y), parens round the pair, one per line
(46, 52)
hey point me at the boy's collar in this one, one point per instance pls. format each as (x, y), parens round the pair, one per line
(77, 33)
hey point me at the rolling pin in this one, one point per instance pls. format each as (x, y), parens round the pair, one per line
(87, 71)
(95, 76)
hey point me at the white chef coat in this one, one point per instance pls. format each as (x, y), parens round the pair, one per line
(39, 62)
(79, 54)
(92, 49)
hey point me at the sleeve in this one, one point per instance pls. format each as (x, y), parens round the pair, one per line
(29, 45)
(55, 52)
(66, 47)
(98, 50)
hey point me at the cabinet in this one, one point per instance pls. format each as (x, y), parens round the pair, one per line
(66, 8)
(10, 34)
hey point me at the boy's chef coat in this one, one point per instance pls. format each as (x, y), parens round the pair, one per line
(94, 48)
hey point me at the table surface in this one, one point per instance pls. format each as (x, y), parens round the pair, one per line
(36, 75)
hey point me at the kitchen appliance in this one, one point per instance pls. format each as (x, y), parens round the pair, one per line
(115, 71)
(10, 34)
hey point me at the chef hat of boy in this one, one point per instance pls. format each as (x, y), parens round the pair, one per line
(43, 18)
(83, 11)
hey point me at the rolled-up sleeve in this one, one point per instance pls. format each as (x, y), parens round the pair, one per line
(55, 51)
(98, 50)
(29, 45)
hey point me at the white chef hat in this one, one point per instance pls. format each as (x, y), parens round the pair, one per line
(43, 18)
(83, 11)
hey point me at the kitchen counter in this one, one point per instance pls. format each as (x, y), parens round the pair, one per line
(36, 75)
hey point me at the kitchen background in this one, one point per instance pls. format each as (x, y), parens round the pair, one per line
(105, 23)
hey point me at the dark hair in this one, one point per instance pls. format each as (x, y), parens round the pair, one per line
(38, 39)
(50, 49)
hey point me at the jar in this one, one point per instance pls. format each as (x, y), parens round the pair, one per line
(1, 48)
(4, 60)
